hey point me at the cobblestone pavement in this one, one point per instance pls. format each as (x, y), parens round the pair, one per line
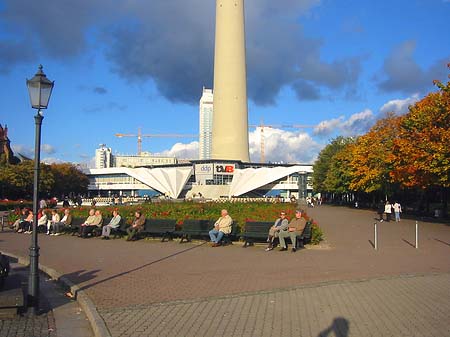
(153, 277)
(58, 317)
(29, 326)
(400, 306)
(26, 324)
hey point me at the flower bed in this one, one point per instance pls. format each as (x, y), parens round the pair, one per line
(240, 212)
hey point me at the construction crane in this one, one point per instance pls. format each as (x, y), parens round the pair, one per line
(274, 126)
(139, 136)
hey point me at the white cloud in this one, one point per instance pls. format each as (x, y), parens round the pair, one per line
(283, 146)
(399, 106)
(23, 150)
(328, 126)
(28, 151)
(356, 124)
(182, 151)
(48, 149)
(52, 160)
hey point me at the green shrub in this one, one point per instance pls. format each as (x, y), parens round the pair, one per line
(316, 234)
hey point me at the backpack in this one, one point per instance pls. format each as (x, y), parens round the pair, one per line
(4, 269)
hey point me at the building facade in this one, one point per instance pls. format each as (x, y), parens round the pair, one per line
(212, 179)
(103, 157)
(144, 159)
(206, 123)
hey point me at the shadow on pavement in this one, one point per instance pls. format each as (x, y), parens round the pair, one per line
(339, 328)
(445, 243)
(82, 276)
(371, 243)
(409, 243)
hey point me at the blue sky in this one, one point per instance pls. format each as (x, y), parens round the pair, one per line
(120, 65)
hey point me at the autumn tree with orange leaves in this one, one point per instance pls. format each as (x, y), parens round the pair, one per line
(409, 153)
(421, 151)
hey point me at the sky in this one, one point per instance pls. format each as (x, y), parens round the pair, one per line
(335, 66)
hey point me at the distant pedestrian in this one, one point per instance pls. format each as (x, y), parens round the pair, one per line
(388, 211)
(380, 211)
(397, 210)
(42, 204)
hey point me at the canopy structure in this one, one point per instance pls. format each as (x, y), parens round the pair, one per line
(250, 179)
(168, 180)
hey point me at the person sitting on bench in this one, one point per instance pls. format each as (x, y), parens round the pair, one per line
(295, 228)
(221, 227)
(136, 226)
(93, 221)
(280, 225)
(113, 224)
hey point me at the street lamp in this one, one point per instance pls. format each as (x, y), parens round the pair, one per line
(301, 187)
(40, 89)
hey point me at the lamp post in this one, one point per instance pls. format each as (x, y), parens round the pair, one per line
(301, 188)
(40, 89)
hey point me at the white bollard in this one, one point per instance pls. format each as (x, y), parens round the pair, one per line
(375, 241)
(417, 235)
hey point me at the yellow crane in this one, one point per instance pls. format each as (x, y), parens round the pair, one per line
(139, 136)
(275, 126)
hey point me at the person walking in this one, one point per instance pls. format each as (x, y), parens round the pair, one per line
(388, 210)
(397, 210)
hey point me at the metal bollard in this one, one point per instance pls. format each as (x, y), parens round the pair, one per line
(375, 241)
(417, 235)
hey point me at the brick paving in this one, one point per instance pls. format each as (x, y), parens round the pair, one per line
(400, 306)
(26, 324)
(128, 281)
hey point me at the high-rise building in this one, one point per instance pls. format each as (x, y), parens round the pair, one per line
(206, 122)
(230, 125)
(103, 157)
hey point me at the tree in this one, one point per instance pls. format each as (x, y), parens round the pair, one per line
(421, 153)
(338, 177)
(323, 163)
(372, 158)
(68, 178)
(16, 181)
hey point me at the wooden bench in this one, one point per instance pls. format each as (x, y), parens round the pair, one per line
(74, 227)
(4, 215)
(255, 231)
(259, 230)
(195, 228)
(121, 230)
(160, 227)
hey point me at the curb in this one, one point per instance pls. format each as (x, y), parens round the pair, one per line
(97, 323)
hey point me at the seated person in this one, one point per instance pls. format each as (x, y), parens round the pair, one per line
(19, 225)
(136, 226)
(93, 221)
(221, 227)
(26, 226)
(281, 224)
(53, 222)
(57, 225)
(114, 223)
(295, 228)
(42, 221)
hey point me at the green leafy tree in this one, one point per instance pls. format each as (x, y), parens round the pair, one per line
(68, 178)
(16, 181)
(322, 166)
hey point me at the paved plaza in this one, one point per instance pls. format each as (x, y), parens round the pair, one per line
(342, 288)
